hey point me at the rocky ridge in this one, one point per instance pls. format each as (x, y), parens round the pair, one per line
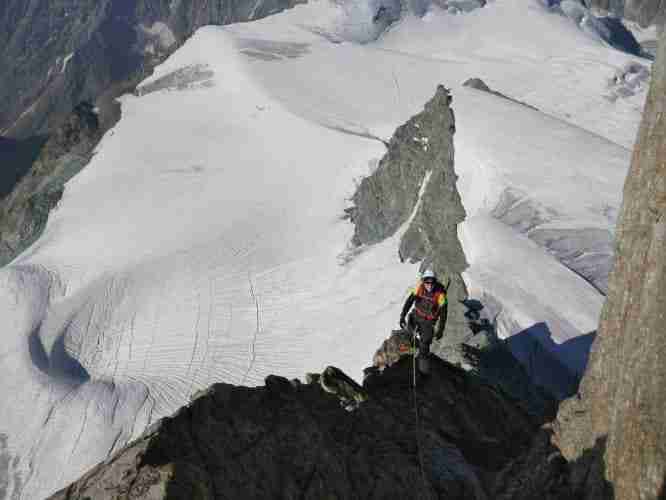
(293, 440)
(615, 428)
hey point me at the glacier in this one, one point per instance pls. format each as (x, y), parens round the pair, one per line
(205, 241)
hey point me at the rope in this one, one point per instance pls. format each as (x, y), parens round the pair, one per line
(416, 413)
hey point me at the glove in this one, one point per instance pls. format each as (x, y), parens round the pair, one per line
(403, 323)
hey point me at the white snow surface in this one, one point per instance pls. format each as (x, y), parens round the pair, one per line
(204, 242)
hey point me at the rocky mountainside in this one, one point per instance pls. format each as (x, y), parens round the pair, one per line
(24, 212)
(56, 54)
(293, 440)
(616, 428)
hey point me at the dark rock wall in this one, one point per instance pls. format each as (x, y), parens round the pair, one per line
(111, 46)
(16, 158)
(23, 214)
(616, 429)
(288, 440)
(387, 199)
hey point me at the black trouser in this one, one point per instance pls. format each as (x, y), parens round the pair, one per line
(426, 329)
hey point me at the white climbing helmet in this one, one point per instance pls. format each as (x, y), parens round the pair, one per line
(428, 274)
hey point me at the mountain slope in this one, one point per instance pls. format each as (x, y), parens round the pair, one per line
(206, 242)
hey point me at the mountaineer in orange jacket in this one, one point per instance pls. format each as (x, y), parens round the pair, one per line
(430, 304)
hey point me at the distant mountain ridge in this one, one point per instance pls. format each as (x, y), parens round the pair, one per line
(57, 54)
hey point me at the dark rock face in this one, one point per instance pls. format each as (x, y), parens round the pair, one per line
(55, 54)
(16, 158)
(616, 429)
(416, 179)
(288, 440)
(487, 357)
(23, 214)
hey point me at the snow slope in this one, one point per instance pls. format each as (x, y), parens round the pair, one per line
(205, 242)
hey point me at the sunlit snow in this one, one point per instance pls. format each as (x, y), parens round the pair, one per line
(205, 241)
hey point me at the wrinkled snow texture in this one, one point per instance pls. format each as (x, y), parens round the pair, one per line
(205, 241)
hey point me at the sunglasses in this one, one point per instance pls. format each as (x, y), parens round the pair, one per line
(429, 282)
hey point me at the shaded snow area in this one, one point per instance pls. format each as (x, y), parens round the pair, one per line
(205, 241)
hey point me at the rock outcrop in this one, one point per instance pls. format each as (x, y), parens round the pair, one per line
(644, 12)
(615, 430)
(289, 440)
(479, 84)
(55, 54)
(484, 355)
(23, 214)
(414, 190)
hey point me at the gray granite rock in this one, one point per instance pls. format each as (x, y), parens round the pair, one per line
(415, 184)
(615, 431)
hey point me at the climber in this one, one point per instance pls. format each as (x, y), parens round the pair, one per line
(430, 305)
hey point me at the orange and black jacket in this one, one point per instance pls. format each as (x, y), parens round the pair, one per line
(428, 306)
